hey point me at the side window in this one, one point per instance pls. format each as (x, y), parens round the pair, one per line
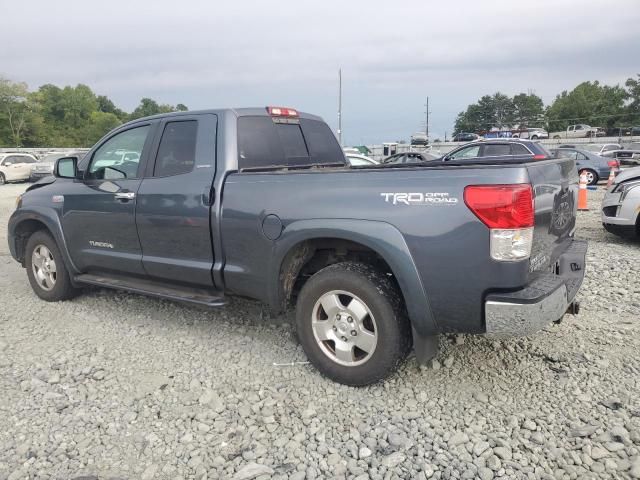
(517, 149)
(177, 150)
(497, 150)
(5, 161)
(119, 157)
(14, 159)
(579, 127)
(580, 156)
(468, 152)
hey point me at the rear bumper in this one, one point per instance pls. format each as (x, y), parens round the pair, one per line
(544, 300)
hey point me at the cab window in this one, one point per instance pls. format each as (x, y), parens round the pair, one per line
(177, 150)
(467, 152)
(119, 157)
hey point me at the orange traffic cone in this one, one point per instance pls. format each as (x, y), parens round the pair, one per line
(582, 192)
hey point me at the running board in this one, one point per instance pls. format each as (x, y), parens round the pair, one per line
(153, 289)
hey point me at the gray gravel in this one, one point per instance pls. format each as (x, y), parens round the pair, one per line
(116, 386)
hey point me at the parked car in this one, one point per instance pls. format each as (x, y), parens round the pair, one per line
(576, 131)
(374, 260)
(409, 157)
(594, 166)
(598, 148)
(15, 167)
(621, 204)
(465, 137)
(532, 134)
(357, 160)
(44, 167)
(419, 138)
(627, 155)
(505, 148)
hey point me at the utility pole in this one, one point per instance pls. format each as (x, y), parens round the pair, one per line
(427, 119)
(340, 106)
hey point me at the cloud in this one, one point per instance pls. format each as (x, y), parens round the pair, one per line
(393, 54)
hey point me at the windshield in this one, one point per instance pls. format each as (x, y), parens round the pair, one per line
(595, 147)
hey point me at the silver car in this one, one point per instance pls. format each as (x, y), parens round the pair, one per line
(621, 204)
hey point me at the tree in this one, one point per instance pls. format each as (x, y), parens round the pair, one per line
(528, 110)
(589, 103)
(633, 94)
(14, 106)
(105, 105)
(181, 107)
(490, 111)
(100, 123)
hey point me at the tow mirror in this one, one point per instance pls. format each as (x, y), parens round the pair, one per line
(66, 167)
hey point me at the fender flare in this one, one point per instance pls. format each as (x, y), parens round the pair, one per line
(381, 237)
(47, 216)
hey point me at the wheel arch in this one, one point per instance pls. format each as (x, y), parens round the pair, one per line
(24, 222)
(379, 242)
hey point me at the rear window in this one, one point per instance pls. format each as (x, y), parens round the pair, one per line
(499, 150)
(517, 149)
(263, 142)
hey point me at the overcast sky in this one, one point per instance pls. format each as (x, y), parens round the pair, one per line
(209, 54)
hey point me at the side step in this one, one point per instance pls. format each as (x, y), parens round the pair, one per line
(153, 288)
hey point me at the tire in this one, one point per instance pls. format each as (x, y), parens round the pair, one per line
(535, 137)
(3, 180)
(49, 279)
(556, 137)
(377, 322)
(592, 177)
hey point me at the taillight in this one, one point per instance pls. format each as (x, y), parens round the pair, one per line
(282, 112)
(508, 211)
(539, 156)
(613, 164)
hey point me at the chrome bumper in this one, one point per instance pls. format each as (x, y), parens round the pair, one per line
(518, 319)
(544, 300)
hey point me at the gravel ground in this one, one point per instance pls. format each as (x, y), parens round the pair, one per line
(118, 386)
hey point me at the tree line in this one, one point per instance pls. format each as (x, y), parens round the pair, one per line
(63, 117)
(590, 103)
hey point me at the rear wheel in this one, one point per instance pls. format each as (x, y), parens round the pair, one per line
(556, 137)
(534, 137)
(48, 275)
(592, 177)
(351, 324)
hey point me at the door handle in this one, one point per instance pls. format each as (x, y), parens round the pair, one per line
(125, 196)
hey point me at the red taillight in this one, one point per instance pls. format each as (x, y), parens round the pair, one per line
(613, 164)
(282, 112)
(501, 206)
(539, 157)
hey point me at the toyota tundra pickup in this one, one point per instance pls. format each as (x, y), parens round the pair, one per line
(260, 203)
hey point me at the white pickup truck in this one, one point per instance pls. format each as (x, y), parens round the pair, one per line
(576, 131)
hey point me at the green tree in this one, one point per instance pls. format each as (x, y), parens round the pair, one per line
(590, 103)
(149, 107)
(15, 109)
(633, 95)
(181, 107)
(105, 105)
(489, 111)
(528, 110)
(99, 124)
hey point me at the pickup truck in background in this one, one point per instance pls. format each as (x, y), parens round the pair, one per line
(260, 203)
(577, 131)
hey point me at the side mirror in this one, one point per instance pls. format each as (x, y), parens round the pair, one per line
(6, 164)
(66, 167)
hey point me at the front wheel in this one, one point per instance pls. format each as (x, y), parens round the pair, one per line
(3, 180)
(352, 324)
(592, 177)
(48, 275)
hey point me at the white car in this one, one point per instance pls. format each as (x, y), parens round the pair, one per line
(359, 160)
(15, 167)
(621, 204)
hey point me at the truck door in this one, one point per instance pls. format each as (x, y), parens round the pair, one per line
(174, 201)
(99, 209)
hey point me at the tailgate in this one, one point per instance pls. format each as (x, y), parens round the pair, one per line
(555, 187)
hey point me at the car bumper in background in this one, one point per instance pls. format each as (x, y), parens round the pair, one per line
(545, 300)
(35, 176)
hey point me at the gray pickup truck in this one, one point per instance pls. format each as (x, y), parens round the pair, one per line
(260, 203)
